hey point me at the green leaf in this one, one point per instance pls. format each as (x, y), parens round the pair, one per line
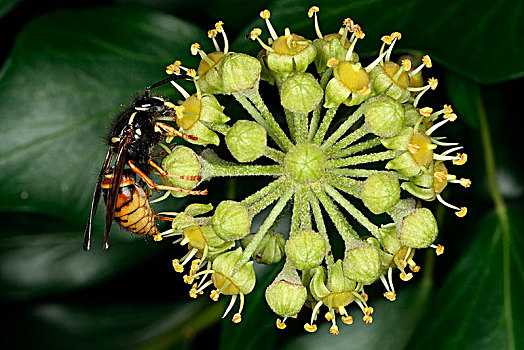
(392, 325)
(68, 74)
(480, 304)
(483, 44)
(7, 5)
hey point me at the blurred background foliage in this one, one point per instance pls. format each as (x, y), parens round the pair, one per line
(68, 67)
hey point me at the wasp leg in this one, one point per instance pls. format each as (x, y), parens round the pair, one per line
(162, 172)
(155, 186)
(174, 131)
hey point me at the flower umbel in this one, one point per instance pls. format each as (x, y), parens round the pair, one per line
(354, 145)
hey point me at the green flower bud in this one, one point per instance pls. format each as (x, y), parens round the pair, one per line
(384, 116)
(421, 149)
(270, 250)
(330, 46)
(239, 72)
(291, 53)
(336, 93)
(404, 164)
(209, 79)
(301, 93)
(246, 140)
(380, 192)
(389, 238)
(181, 161)
(419, 229)
(424, 193)
(265, 74)
(350, 80)
(305, 163)
(339, 289)
(382, 80)
(411, 115)
(206, 109)
(242, 281)
(362, 263)
(197, 209)
(231, 220)
(305, 249)
(399, 141)
(286, 295)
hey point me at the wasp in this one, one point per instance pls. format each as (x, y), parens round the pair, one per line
(132, 139)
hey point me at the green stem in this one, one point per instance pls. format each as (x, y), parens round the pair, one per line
(301, 124)
(324, 126)
(363, 159)
(255, 197)
(313, 126)
(242, 170)
(350, 208)
(274, 154)
(250, 249)
(359, 147)
(344, 127)
(291, 124)
(321, 228)
(345, 230)
(266, 201)
(351, 186)
(363, 173)
(301, 217)
(220, 128)
(351, 138)
(281, 137)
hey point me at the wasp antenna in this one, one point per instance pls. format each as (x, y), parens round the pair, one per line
(165, 81)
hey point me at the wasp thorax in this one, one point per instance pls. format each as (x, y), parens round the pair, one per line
(305, 163)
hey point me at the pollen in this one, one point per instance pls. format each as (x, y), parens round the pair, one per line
(433, 83)
(450, 116)
(214, 295)
(448, 109)
(386, 39)
(332, 62)
(195, 48)
(414, 268)
(406, 64)
(280, 324)
(237, 318)
(439, 249)
(396, 35)
(461, 159)
(391, 296)
(348, 22)
(310, 328)
(462, 212)
(368, 310)
(465, 182)
(329, 316)
(212, 33)
(174, 68)
(255, 33)
(406, 277)
(265, 14)
(358, 32)
(426, 111)
(191, 72)
(367, 319)
(334, 330)
(219, 26)
(347, 319)
(177, 266)
(187, 279)
(312, 11)
(427, 61)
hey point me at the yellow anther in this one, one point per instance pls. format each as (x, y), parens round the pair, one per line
(195, 48)
(212, 33)
(433, 83)
(187, 279)
(218, 26)
(465, 182)
(332, 62)
(237, 318)
(368, 310)
(193, 294)
(365, 90)
(280, 324)
(427, 61)
(214, 295)
(329, 316)
(310, 327)
(312, 11)
(294, 316)
(157, 237)
(391, 296)
(406, 277)
(439, 250)
(367, 319)
(364, 296)
(191, 72)
(439, 175)
(396, 35)
(358, 32)
(334, 330)
(414, 268)
(195, 263)
(387, 39)
(406, 64)
(461, 159)
(179, 111)
(462, 212)
(413, 148)
(177, 266)
(426, 111)
(450, 116)
(347, 319)
(174, 68)
(255, 33)
(265, 14)
(348, 22)
(448, 109)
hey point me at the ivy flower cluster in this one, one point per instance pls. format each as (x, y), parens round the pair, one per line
(349, 142)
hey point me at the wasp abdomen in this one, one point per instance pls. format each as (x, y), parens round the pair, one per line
(132, 210)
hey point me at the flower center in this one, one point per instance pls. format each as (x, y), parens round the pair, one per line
(305, 163)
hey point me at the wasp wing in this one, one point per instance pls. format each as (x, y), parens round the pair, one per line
(96, 199)
(116, 178)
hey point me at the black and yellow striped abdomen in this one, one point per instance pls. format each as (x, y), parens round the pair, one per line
(132, 210)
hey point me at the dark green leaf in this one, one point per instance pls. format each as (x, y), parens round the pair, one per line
(480, 305)
(477, 39)
(7, 5)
